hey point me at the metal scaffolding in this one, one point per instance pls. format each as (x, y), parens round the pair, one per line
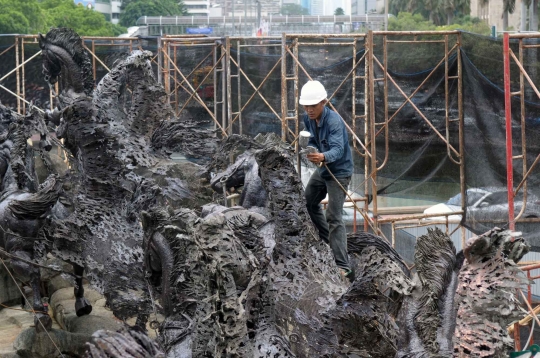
(218, 64)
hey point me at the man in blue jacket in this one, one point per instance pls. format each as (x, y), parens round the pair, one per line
(329, 136)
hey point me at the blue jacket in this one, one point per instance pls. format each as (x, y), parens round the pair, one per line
(333, 142)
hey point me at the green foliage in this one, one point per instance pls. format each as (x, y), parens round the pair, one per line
(13, 22)
(440, 12)
(21, 16)
(408, 22)
(86, 22)
(294, 9)
(339, 11)
(33, 16)
(477, 27)
(134, 9)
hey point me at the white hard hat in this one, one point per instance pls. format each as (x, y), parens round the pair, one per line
(312, 93)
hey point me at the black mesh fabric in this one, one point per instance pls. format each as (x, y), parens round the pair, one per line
(417, 165)
(485, 137)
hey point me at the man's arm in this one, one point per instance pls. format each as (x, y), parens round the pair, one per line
(335, 140)
(312, 142)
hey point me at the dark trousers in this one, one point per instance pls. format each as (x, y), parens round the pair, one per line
(331, 229)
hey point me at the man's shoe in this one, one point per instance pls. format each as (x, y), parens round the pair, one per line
(347, 274)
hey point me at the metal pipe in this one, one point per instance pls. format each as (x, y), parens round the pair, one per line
(176, 104)
(385, 123)
(239, 84)
(20, 98)
(97, 58)
(224, 61)
(18, 77)
(283, 87)
(325, 44)
(530, 267)
(267, 45)
(446, 104)
(159, 61)
(508, 116)
(461, 134)
(107, 38)
(6, 50)
(94, 73)
(296, 111)
(229, 86)
(417, 41)
(531, 35)
(522, 71)
(215, 70)
(23, 79)
(523, 135)
(167, 73)
(353, 90)
(429, 33)
(368, 48)
(371, 120)
(418, 216)
(529, 293)
(312, 36)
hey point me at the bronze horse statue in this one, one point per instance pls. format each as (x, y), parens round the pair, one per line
(25, 205)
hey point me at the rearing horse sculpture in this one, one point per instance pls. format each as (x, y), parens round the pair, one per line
(24, 206)
(119, 144)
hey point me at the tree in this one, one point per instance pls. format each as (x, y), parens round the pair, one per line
(293, 9)
(406, 21)
(533, 20)
(437, 11)
(508, 8)
(453, 7)
(13, 22)
(339, 11)
(21, 16)
(86, 22)
(134, 9)
(469, 24)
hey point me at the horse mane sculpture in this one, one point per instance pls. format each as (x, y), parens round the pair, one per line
(268, 289)
(117, 170)
(425, 325)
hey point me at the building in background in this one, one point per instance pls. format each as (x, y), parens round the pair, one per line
(306, 4)
(272, 25)
(317, 7)
(362, 7)
(492, 11)
(109, 8)
(197, 7)
(90, 4)
(330, 6)
(248, 7)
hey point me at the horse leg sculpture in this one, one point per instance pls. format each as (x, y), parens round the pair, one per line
(30, 273)
(82, 306)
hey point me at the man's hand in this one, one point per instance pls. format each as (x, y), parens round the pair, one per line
(316, 158)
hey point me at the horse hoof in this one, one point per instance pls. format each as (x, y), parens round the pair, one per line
(43, 322)
(82, 307)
